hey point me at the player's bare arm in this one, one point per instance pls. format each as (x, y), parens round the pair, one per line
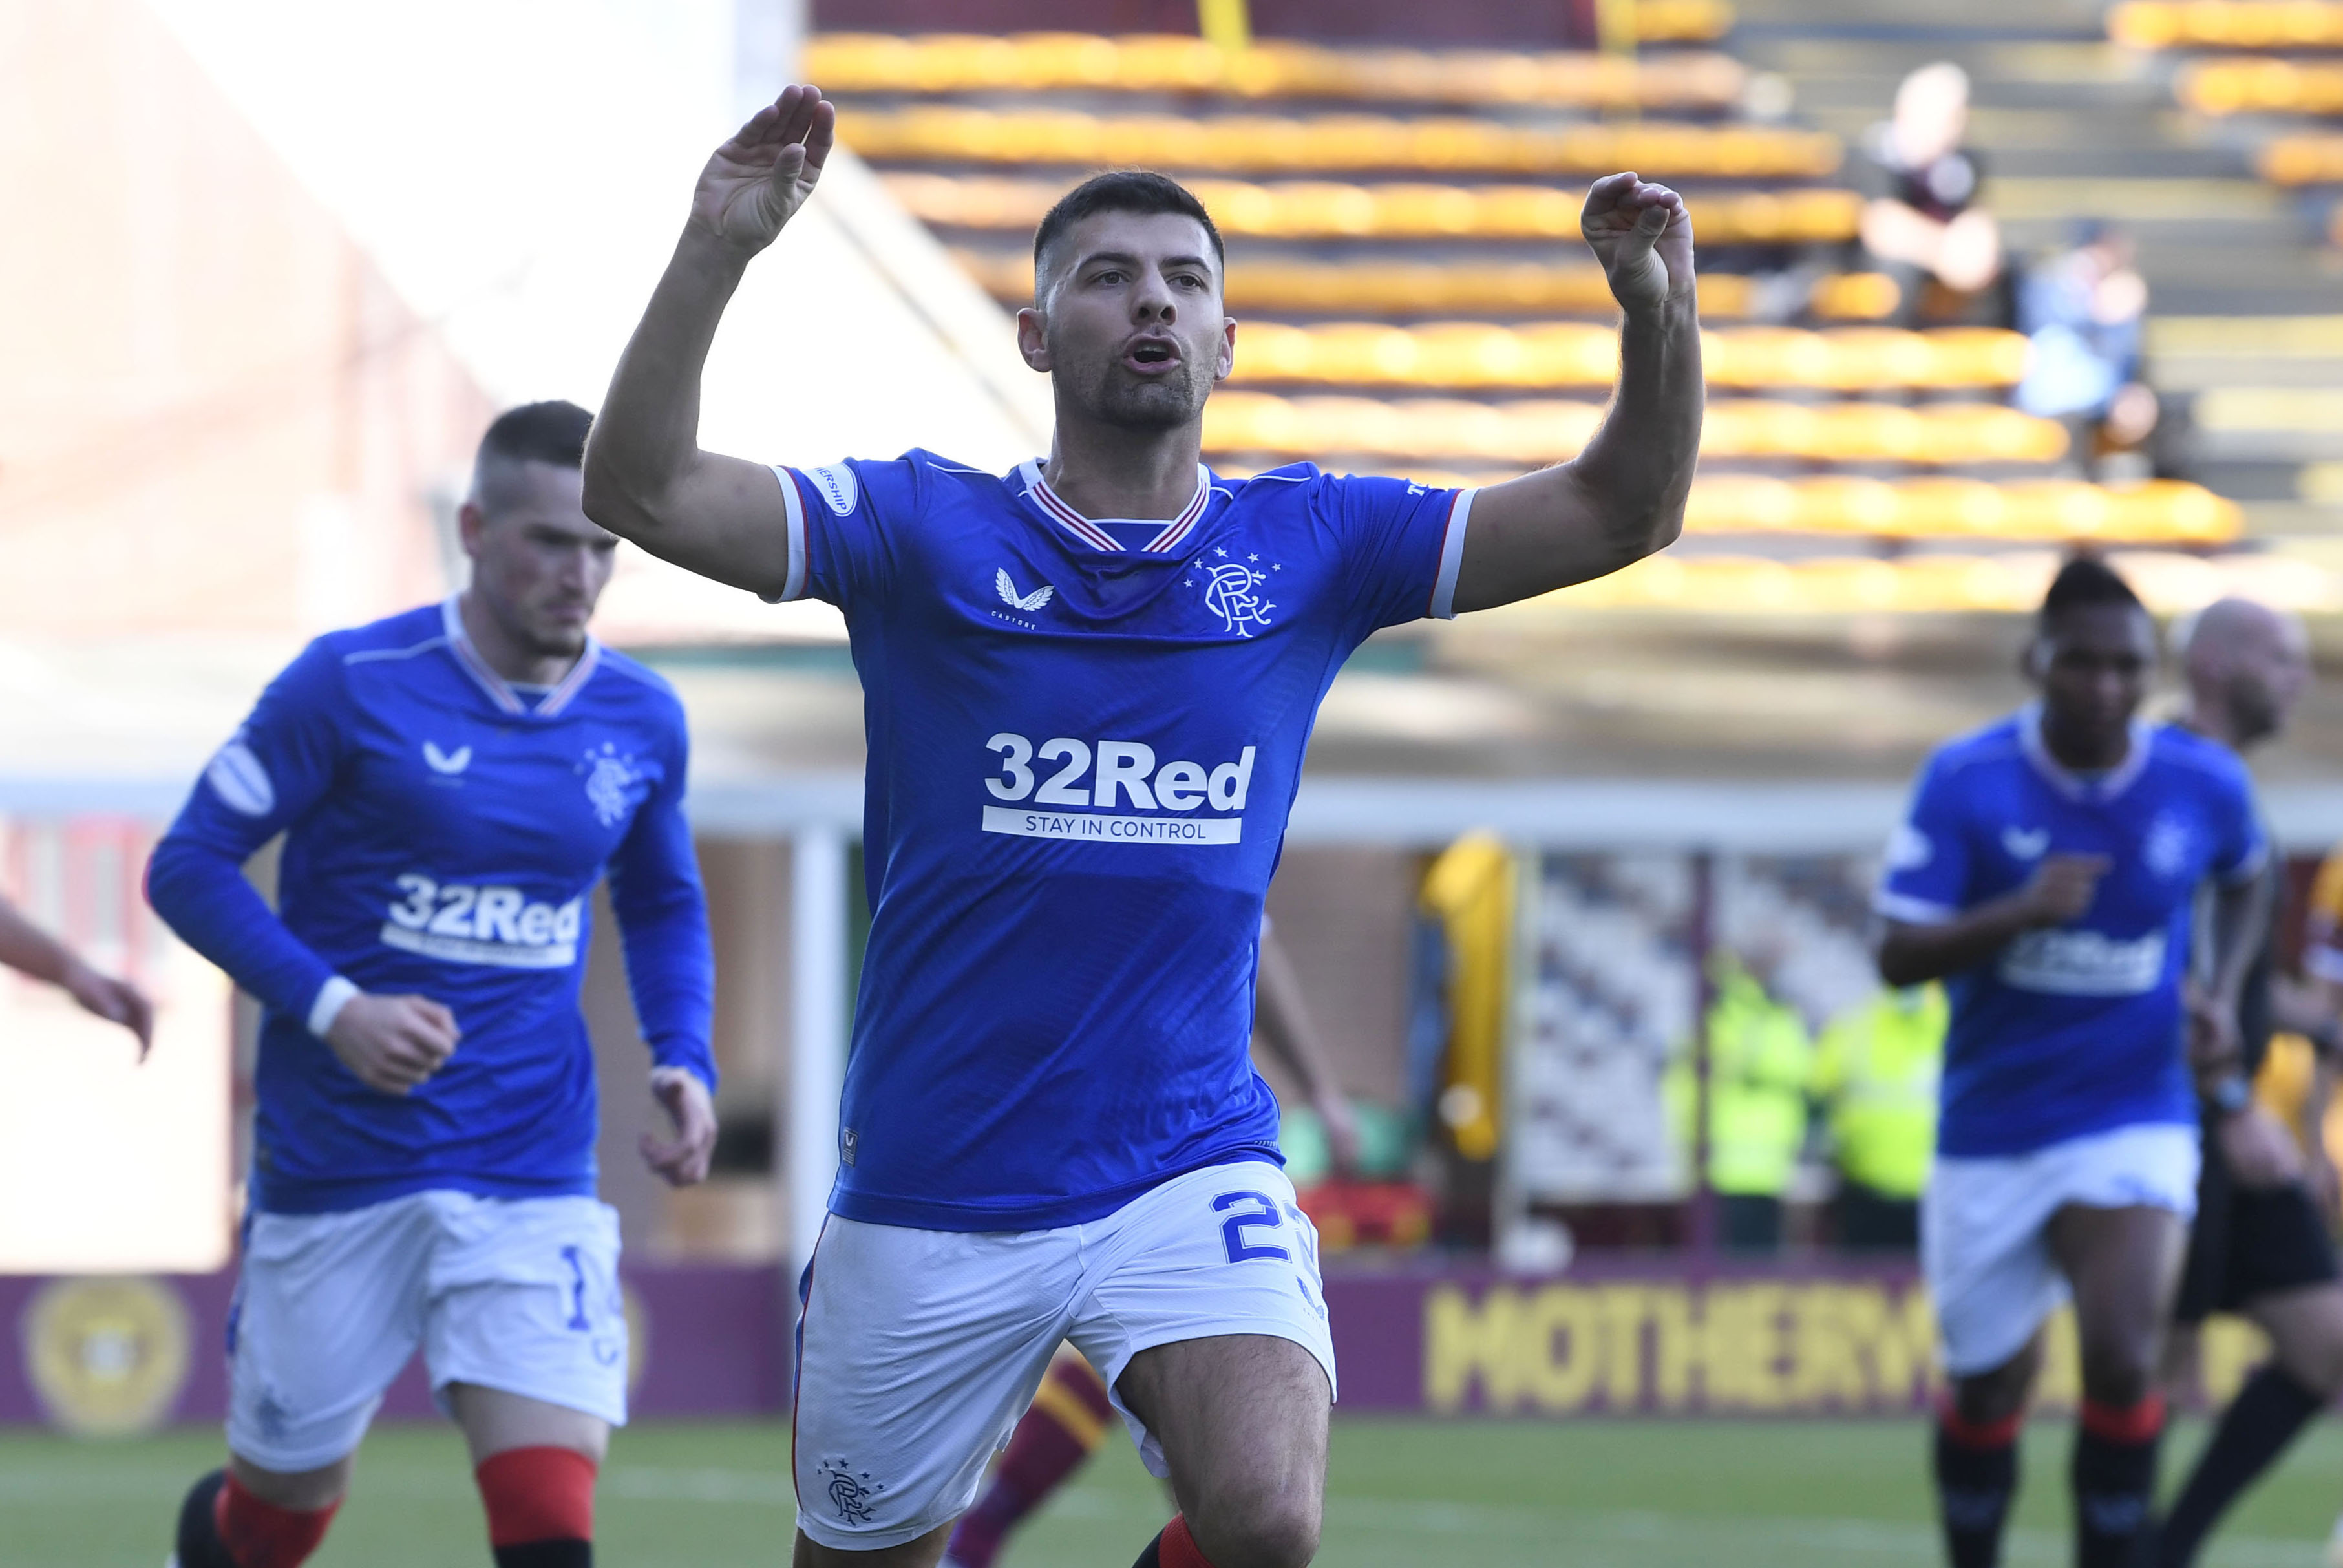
(2059, 891)
(30, 950)
(646, 478)
(1623, 497)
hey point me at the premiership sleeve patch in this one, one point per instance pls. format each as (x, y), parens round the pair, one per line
(836, 483)
(238, 778)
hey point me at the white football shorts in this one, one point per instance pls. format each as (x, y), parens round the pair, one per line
(918, 1350)
(517, 1294)
(1984, 1230)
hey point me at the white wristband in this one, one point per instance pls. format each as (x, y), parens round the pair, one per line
(332, 997)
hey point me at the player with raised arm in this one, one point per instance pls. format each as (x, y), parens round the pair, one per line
(1088, 683)
(33, 952)
(2259, 1244)
(452, 783)
(2047, 874)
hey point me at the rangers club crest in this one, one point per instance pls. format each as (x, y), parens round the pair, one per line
(1233, 590)
(610, 779)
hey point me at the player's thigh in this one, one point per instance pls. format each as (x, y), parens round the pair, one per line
(1986, 1258)
(1241, 1423)
(523, 1301)
(328, 1308)
(925, 1551)
(2306, 1330)
(2124, 1266)
(495, 1421)
(1203, 1310)
(918, 1350)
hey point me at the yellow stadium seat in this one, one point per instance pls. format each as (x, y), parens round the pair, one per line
(1334, 142)
(944, 63)
(1319, 209)
(2248, 86)
(2227, 24)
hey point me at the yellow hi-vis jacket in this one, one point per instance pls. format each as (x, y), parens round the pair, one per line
(1875, 1075)
(1759, 1063)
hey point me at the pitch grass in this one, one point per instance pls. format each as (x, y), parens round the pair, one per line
(1499, 1494)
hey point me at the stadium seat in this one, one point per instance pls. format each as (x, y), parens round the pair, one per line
(1033, 62)
(1318, 209)
(2228, 24)
(1514, 289)
(2302, 160)
(1570, 354)
(2261, 85)
(1541, 431)
(1257, 144)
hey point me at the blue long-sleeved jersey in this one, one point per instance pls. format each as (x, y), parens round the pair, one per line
(444, 834)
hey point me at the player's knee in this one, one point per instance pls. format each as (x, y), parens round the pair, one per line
(1269, 1529)
(2119, 1374)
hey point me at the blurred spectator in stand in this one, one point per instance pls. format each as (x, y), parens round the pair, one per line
(1760, 1061)
(1922, 223)
(2082, 310)
(1876, 1072)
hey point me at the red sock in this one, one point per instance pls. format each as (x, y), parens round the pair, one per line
(1175, 1548)
(260, 1534)
(1978, 1435)
(537, 1495)
(2125, 1424)
(1066, 1424)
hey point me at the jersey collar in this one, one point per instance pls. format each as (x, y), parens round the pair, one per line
(2078, 786)
(1167, 538)
(500, 690)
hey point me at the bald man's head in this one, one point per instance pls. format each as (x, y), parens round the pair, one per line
(2247, 666)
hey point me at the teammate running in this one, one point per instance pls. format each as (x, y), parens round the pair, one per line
(2047, 874)
(452, 782)
(2259, 1244)
(33, 952)
(1088, 685)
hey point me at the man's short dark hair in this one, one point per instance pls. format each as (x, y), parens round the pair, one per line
(1141, 191)
(2083, 581)
(553, 432)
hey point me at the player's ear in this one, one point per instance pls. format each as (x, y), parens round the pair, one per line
(2033, 663)
(1031, 339)
(1227, 362)
(471, 523)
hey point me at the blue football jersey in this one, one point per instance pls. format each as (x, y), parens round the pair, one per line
(1085, 739)
(2078, 1029)
(443, 836)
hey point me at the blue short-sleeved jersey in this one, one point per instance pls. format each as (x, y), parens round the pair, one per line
(2077, 1030)
(1084, 737)
(443, 836)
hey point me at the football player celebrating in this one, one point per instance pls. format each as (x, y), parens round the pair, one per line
(451, 783)
(2047, 874)
(1088, 685)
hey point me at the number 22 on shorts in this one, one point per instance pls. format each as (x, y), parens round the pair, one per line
(1263, 1216)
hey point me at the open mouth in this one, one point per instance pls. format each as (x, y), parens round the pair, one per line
(1152, 354)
